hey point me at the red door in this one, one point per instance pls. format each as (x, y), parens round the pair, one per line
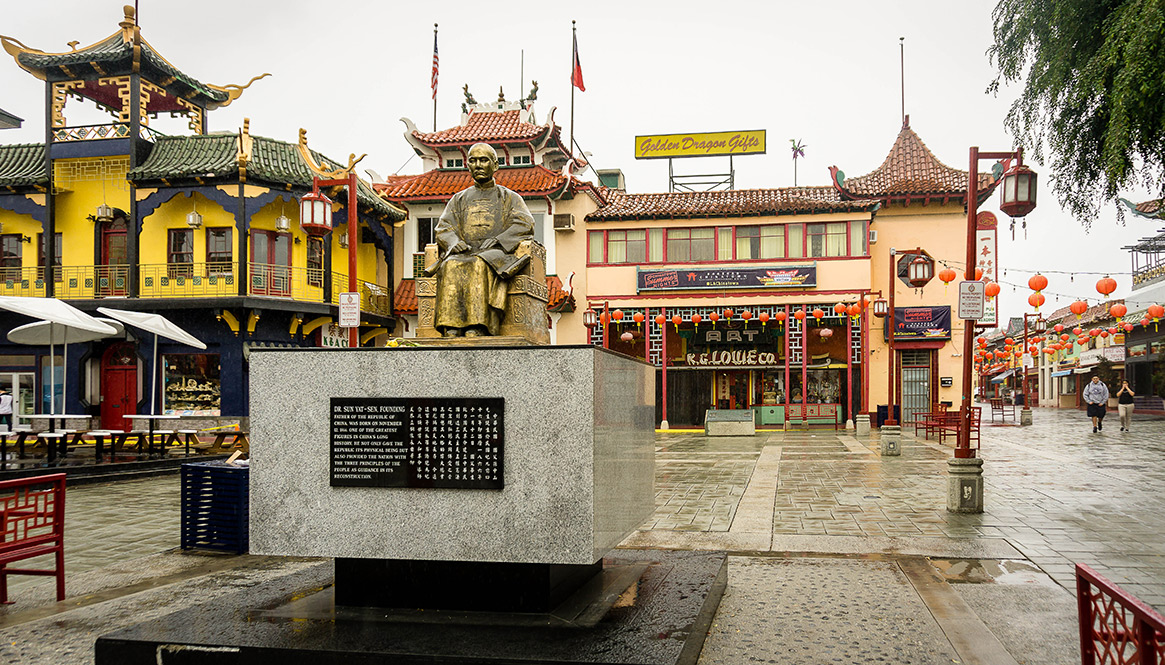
(270, 264)
(119, 386)
(114, 269)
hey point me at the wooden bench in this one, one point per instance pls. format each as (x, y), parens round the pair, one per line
(931, 422)
(1003, 408)
(954, 423)
(32, 524)
(239, 440)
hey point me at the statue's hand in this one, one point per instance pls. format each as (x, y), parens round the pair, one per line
(489, 242)
(460, 248)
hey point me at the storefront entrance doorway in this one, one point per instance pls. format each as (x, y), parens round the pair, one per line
(119, 386)
(732, 390)
(916, 384)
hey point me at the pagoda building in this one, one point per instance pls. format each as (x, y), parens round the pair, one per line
(761, 299)
(535, 162)
(202, 228)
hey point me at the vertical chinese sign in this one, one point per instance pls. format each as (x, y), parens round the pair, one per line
(986, 251)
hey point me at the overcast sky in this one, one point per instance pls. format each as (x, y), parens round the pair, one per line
(825, 73)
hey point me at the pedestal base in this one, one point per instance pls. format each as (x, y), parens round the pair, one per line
(658, 616)
(862, 425)
(965, 485)
(891, 440)
(1025, 416)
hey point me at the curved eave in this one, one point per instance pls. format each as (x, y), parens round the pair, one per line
(437, 145)
(776, 212)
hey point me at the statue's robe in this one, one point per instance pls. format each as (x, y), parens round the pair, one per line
(469, 291)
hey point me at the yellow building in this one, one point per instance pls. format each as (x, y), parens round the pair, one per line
(743, 271)
(203, 228)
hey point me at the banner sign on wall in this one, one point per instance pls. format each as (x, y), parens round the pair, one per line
(922, 323)
(728, 278)
(666, 146)
(986, 248)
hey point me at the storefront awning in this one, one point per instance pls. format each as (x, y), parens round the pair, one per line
(1082, 370)
(1002, 377)
(1063, 372)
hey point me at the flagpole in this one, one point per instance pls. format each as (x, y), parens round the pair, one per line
(434, 81)
(573, 55)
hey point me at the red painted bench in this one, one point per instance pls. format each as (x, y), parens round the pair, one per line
(32, 524)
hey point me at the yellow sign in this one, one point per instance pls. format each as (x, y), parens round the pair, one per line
(664, 146)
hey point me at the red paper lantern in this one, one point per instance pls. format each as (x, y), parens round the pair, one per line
(660, 319)
(637, 317)
(1106, 285)
(1035, 300)
(781, 316)
(1009, 341)
(1077, 331)
(839, 308)
(714, 317)
(854, 310)
(603, 318)
(1064, 337)
(818, 313)
(982, 340)
(1104, 333)
(978, 274)
(799, 315)
(1033, 350)
(1118, 310)
(764, 317)
(617, 315)
(1094, 332)
(1078, 308)
(746, 315)
(946, 275)
(1037, 282)
(1128, 327)
(991, 290)
(696, 319)
(1059, 327)
(1156, 312)
(727, 314)
(677, 319)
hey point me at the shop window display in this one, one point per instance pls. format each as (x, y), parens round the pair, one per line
(192, 384)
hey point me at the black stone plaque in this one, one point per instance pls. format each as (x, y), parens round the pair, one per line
(417, 442)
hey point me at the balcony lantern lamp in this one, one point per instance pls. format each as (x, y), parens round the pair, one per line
(104, 213)
(1041, 326)
(193, 219)
(920, 271)
(315, 214)
(881, 307)
(343, 240)
(1018, 191)
(282, 223)
(590, 318)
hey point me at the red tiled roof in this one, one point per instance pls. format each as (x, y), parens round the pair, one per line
(727, 203)
(910, 171)
(486, 126)
(442, 184)
(1097, 312)
(1150, 207)
(405, 299)
(560, 301)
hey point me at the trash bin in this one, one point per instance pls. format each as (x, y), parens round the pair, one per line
(882, 414)
(1019, 399)
(215, 506)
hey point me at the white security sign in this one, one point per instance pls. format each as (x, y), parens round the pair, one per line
(349, 310)
(972, 300)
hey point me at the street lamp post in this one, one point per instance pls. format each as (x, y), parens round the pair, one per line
(919, 271)
(965, 477)
(1039, 326)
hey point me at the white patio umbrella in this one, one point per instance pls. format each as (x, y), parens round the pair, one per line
(160, 326)
(66, 319)
(39, 333)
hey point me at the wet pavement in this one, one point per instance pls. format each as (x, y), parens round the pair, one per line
(838, 554)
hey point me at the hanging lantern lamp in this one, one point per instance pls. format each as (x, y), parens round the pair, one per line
(1106, 285)
(1118, 310)
(1018, 191)
(881, 307)
(1078, 308)
(920, 271)
(315, 214)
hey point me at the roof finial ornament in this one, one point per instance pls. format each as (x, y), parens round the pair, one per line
(319, 169)
(469, 100)
(73, 44)
(127, 22)
(906, 121)
(501, 94)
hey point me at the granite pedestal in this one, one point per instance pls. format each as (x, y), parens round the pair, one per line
(729, 422)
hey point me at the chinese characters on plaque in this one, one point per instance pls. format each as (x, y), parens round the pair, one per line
(417, 442)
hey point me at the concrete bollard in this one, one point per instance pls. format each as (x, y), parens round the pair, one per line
(1025, 416)
(891, 440)
(862, 424)
(965, 485)
(849, 425)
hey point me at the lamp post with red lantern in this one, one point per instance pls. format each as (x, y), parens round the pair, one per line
(1017, 199)
(919, 271)
(1039, 327)
(315, 216)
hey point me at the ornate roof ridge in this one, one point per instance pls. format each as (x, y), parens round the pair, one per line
(733, 202)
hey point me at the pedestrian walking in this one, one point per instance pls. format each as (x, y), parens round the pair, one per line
(1096, 396)
(6, 409)
(1124, 406)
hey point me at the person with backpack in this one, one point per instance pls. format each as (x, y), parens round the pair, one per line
(1096, 396)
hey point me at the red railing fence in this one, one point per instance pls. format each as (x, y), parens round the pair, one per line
(1115, 627)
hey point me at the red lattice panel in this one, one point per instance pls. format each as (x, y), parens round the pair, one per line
(32, 524)
(1115, 627)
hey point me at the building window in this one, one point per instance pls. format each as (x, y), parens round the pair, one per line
(724, 243)
(595, 247)
(10, 258)
(521, 160)
(218, 250)
(501, 160)
(425, 226)
(687, 245)
(655, 245)
(857, 238)
(192, 384)
(41, 257)
(180, 253)
(315, 261)
(626, 246)
(457, 163)
(796, 233)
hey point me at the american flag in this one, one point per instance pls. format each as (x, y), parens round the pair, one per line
(436, 64)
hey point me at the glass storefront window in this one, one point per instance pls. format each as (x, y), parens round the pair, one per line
(192, 384)
(770, 387)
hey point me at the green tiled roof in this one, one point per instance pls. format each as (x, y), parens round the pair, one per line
(214, 156)
(115, 57)
(22, 165)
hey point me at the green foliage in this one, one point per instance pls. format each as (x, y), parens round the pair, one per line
(1094, 92)
(1109, 376)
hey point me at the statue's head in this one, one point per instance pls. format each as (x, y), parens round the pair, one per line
(483, 163)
